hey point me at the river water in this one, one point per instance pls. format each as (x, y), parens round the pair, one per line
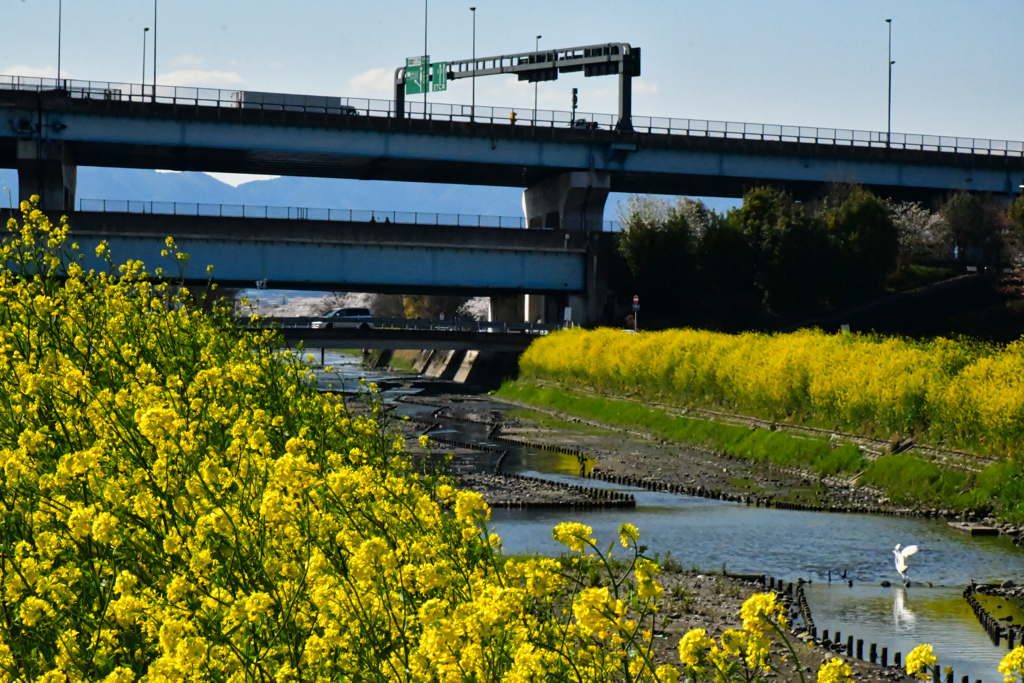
(709, 535)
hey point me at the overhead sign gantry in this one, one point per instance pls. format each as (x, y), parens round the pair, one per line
(545, 65)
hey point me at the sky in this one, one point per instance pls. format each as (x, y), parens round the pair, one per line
(799, 62)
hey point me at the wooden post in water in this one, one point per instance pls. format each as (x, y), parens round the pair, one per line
(839, 639)
(949, 676)
(873, 655)
(896, 660)
(885, 656)
(849, 646)
(860, 649)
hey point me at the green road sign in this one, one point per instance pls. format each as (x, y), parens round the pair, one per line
(416, 72)
(440, 76)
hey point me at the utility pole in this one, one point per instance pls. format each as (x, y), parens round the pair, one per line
(154, 50)
(145, 31)
(60, 21)
(535, 49)
(426, 79)
(472, 108)
(888, 130)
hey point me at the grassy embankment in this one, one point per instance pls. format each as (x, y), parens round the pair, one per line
(960, 394)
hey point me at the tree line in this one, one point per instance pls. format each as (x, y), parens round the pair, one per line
(777, 258)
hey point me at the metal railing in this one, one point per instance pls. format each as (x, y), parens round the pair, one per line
(308, 214)
(213, 97)
(423, 325)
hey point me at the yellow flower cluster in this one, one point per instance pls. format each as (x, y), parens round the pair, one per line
(920, 662)
(180, 504)
(1012, 666)
(739, 655)
(835, 671)
(761, 612)
(962, 392)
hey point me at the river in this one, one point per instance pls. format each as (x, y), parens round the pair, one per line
(710, 534)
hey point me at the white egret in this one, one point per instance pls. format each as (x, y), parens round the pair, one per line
(901, 560)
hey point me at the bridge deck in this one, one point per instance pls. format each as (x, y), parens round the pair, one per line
(345, 256)
(206, 138)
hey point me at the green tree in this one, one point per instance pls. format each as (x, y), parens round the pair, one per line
(865, 245)
(658, 246)
(790, 246)
(963, 212)
(726, 266)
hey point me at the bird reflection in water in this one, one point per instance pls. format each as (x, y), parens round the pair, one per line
(902, 616)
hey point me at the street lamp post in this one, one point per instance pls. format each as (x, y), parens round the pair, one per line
(145, 31)
(154, 50)
(472, 108)
(535, 83)
(60, 21)
(888, 130)
(426, 78)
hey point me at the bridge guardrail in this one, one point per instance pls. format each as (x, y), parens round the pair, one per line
(308, 213)
(214, 97)
(424, 325)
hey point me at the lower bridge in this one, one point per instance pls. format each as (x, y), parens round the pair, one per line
(357, 256)
(342, 256)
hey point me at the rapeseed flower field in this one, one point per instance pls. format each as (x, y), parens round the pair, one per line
(180, 504)
(958, 393)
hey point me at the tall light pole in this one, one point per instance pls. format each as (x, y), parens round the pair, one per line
(60, 21)
(154, 50)
(426, 72)
(472, 108)
(145, 31)
(535, 83)
(888, 130)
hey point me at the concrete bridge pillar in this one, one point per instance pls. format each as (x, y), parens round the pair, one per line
(505, 309)
(570, 201)
(45, 168)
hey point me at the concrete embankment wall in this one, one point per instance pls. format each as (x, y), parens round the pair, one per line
(483, 369)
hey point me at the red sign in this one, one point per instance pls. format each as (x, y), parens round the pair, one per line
(636, 299)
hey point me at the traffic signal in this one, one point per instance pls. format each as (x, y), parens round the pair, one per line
(575, 100)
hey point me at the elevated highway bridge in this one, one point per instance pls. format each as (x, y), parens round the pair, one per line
(47, 129)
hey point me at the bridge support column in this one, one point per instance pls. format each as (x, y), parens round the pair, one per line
(505, 309)
(534, 308)
(45, 168)
(570, 201)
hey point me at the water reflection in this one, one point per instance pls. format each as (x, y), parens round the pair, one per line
(903, 618)
(900, 618)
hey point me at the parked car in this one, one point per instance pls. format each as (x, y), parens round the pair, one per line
(344, 318)
(584, 124)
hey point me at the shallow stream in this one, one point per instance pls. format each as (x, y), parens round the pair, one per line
(710, 534)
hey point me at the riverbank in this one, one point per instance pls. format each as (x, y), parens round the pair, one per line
(808, 468)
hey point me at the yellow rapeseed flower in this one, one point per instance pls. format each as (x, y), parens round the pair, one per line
(574, 535)
(628, 533)
(920, 661)
(1012, 665)
(834, 671)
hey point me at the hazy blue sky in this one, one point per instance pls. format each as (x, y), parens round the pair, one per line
(812, 62)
